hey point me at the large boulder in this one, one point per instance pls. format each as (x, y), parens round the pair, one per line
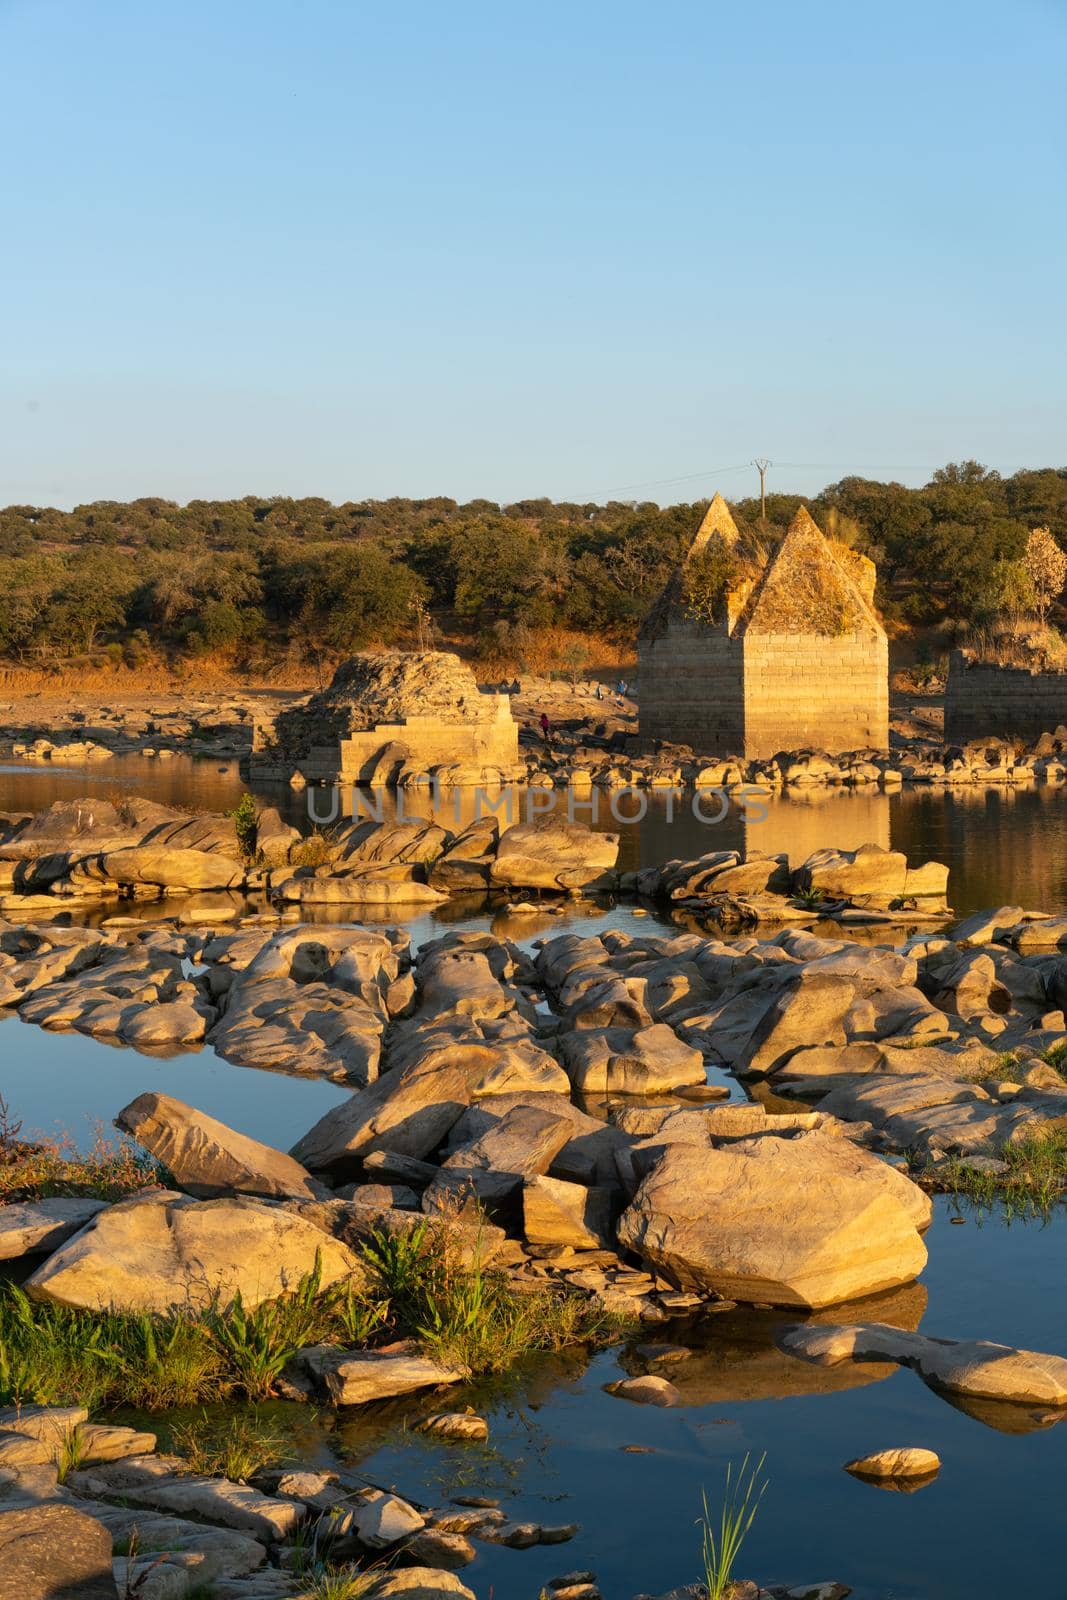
(160, 867)
(408, 1111)
(207, 1158)
(873, 876)
(650, 1060)
(52, 1551)
(163, 1250)
(555, 1212)
(789, 1221)
(553, 854)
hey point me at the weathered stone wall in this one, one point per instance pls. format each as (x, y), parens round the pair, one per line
(434, 742)
(756, 694)
(692, 688)
(803, 690)
(982, 699)
(491, 741)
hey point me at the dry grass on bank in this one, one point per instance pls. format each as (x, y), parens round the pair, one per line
(42, 1168)
(542, 653)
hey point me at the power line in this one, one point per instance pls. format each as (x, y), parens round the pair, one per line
(685, 477)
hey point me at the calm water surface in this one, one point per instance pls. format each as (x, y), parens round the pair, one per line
(1003, 845)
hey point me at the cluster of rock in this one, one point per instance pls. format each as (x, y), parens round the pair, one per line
(466, 1086)
(133, 1520)
(201, 724)
(91, 850)
(183, 1533)
(551, 1111)
(599, 753)
(868, 885)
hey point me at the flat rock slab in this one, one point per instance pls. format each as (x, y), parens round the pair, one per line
(51, 1551)
(153, 1481)
(352, 1378)
(162, 1250)
(454, 1425)
(521, 1144)
(207, 1158)
(99, 1443)
(196, 1555)
(51, 1424)
(37, 1227)
(971, 1367)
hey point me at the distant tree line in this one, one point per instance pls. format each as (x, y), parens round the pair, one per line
(256, 576)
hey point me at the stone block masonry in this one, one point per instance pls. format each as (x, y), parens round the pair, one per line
(983, 700)
(794, 655)
(803, 691)
(692, 688)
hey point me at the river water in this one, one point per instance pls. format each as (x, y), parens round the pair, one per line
(563, 1450)
(1003, 845)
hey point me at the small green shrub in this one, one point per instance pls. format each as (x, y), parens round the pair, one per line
(705, 580)
(317, 850)
(246, 826)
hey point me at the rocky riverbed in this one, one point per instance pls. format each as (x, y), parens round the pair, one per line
(548, 1105)
(594, 742)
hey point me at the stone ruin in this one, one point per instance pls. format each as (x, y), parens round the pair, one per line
(390, 715)
(748, 652)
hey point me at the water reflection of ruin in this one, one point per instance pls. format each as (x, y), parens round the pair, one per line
(1000, 841)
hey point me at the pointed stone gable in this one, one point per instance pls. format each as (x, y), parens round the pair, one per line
(717, 521)
(718, 526)
(805, 590)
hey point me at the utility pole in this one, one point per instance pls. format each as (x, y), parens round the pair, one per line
(761, 464)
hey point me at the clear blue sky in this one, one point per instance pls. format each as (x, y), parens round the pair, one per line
(350, 249)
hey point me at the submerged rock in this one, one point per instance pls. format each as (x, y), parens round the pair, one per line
(907, 1462)
(969, 1367)
(646, 1391)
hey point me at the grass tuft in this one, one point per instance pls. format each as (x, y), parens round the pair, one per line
(721, 1544)
(235, 1447)
(1034, 1182)
(36, 1170)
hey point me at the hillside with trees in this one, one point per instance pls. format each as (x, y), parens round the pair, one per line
(259, 582)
